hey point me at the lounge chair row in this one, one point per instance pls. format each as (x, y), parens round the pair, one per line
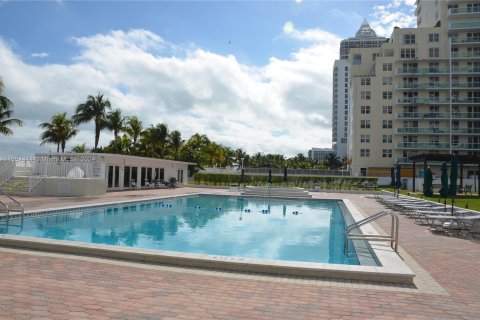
(453, 221)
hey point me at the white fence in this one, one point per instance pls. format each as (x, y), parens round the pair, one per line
(279, 171)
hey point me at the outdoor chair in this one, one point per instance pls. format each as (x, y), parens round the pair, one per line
(148, 184)
(467, 189)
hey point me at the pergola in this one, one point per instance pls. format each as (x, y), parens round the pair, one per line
(462, 160)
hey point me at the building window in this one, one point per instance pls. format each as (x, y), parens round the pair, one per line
(387, 109)
(364, 138)
(409, 39)
(387, 67)
(387, 124)
(407, 53)
(364, 153)
(387, 81)
(387, 138)
(434, 52)
(357, 59)
(365, 109)
(365, 81)
(387, 95)
(433, 37)
(365, 124)
(386, 153)
(365, 95)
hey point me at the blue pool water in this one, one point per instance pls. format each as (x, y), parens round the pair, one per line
(293, 230)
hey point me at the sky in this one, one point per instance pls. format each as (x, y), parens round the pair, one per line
(255, 75)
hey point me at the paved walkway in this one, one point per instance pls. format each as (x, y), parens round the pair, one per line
(38, 285)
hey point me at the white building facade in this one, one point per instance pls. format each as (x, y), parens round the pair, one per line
(364, 38)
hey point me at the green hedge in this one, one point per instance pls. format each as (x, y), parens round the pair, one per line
(325, 182)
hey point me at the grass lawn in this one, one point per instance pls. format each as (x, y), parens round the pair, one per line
(462, 201)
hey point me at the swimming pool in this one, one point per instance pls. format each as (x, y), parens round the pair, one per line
(277, 229)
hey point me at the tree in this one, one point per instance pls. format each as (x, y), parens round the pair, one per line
(6, 111)
(175, 144)
(59, 131)
(332, 161)
(133, 128)
(80, 148)
(114, 122)
(95, 108)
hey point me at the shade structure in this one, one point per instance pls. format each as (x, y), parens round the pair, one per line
(270, 176)
(398, 180)
(444, 180)
(392, 176)
(285, 174)
(242, 176)
(452, 189)
(428, 183)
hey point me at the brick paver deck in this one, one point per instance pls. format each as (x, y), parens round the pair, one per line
(38, 285)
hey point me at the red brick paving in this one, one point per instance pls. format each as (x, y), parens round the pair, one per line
(35, 285)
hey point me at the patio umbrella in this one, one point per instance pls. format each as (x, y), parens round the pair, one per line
(452, 191)
(444, 180)
(242, 176)
(392, 176)
(427, 183)
(270, 176)
(285, 178)
(398, 182)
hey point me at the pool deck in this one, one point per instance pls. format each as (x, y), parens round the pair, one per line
(40, 285)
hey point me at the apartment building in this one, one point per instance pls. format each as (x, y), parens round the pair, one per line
(365, 37)
(319, 154)
(419, 92)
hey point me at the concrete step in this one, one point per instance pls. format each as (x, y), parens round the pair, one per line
(276, 192)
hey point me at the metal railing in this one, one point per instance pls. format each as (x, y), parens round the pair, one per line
(18, 206)
(392, 238)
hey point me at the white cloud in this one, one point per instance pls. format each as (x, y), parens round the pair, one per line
(39, 55)
(396, 13)
(282, 107)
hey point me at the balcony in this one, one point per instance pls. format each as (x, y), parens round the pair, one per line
(466, 26)
(422, 115)
(423, 100)
(465, 85)
(466, 146)
(465, 40)
(462, 12)
(466, 70)
(465, 115)
(463, 55)
(419, 85)
(423, 70)
(417, 130)
(423, 145)
(465, 130)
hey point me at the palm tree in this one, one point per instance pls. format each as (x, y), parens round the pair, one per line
(80, 148)
(175, 144)
(59, 131)
(114, 122)
(95, 108)
(332, 161)
(6, 112)
(133, 128)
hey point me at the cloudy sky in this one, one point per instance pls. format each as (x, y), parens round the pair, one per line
(255, 75)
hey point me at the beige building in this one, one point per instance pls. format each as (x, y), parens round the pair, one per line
(420, 92)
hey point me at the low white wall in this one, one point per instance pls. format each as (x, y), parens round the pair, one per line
(60, 186)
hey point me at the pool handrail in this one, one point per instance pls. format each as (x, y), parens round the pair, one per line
(392, 238)
(18, 204)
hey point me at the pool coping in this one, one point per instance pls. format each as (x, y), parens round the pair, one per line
(392, 268)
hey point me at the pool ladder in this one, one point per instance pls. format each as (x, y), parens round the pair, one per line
(18, 207)
(392, 237)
